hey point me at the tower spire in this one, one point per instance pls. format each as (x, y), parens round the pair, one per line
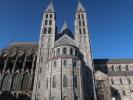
(65, 26)
(80, 6)
(50, 7)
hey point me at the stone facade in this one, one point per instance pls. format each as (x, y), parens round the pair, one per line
(64, 60)
(17, 68)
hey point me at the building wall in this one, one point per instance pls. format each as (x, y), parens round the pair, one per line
(120, 77)
(17, 66)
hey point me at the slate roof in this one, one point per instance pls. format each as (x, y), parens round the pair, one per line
(113, 61)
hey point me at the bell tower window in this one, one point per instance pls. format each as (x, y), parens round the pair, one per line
(46, 16)
(45, 30)
(46, 22)
(50, 22)
(49, 30)
(51, 16)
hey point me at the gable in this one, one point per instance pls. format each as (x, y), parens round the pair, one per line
(65, 40)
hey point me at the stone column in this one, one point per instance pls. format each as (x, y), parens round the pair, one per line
(25, 58)
(33, 64)
(5, 64)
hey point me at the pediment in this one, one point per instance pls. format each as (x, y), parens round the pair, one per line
(65, 40)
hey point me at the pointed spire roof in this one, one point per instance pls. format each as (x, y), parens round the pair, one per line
(64, 26)
(50, 7)
(80, 6)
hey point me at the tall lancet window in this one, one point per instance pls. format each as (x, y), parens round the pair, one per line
(71, 51)
(54, 81)
(45, 30)
(47, 83)
(82, 16)
(84, 30)
(75, 82)
(50, 22)
(16, 83)
(80, 31)
(65, 81)
(49, 30)
(6, 82)
(46, 22)
(26, 84)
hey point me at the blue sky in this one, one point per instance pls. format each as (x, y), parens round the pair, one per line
(110, 23)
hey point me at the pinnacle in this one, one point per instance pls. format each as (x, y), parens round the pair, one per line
(50, 7)
(64, 26)
(80, 6)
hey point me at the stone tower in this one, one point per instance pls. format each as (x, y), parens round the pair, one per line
(64, 64)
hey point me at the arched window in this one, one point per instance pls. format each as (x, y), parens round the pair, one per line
(54, 52)
(78, 16)
(76, 98)
(127, 69)
(55, 64)
(46, 15)
(64, 62)
(121, 82)
(49, 30)
(47, 83)
(84, 30)
(120, 68)
(45, 30)
(83, 23)
(54, 82)
(39, 84)
(112, 68)
(0, 81)
(26, 84)
(71, 51)
(80, 30)
(64, 81)
(6, 82)
(112, 81)
(74, 63)
(58, 52)
(79, 23)
(129, 81)
(50, 22)
(46, 22)
(75, 81)
(65, 98)
(16, 82)
(53, 98)
(82, 16)
(51, 15)
(64, 50)
(124, 93)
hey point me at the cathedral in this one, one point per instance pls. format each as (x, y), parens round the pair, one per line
(61, 67)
